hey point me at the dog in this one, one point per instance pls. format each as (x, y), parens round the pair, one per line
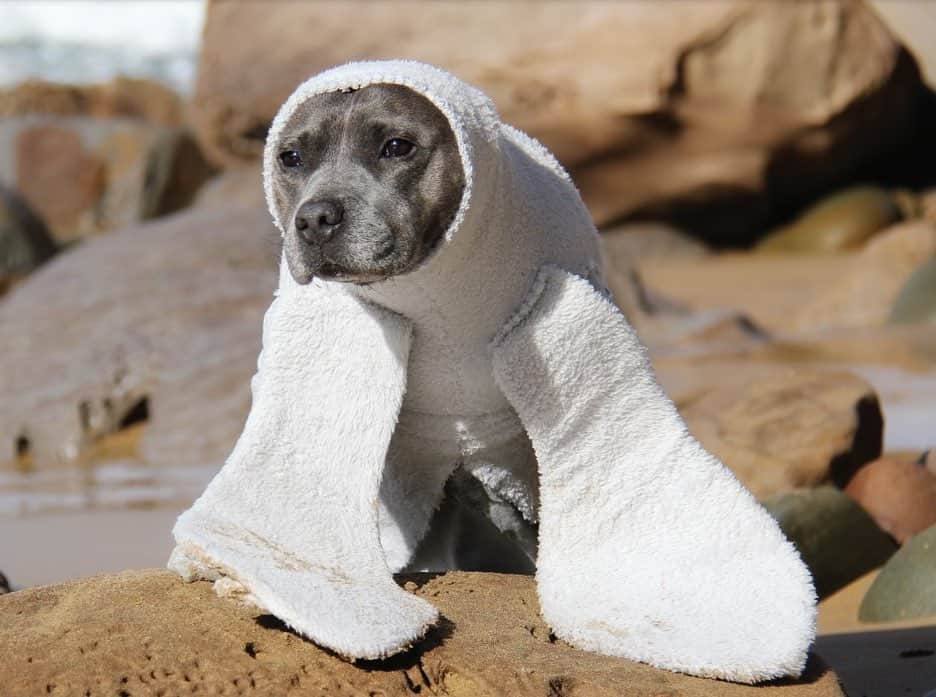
(441, 333)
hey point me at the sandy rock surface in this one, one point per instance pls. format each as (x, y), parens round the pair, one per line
(147, 633)
(165, 314)
(804, 91)
(790, 429)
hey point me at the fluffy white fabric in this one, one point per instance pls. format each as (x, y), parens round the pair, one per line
(648, 547)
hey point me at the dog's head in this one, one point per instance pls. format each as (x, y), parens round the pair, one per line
(368, 181)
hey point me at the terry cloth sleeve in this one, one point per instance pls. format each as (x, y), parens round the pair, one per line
(292, 515)
(649, 548)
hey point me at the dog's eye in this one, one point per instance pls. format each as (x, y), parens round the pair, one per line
(290, 158)
(397, 147)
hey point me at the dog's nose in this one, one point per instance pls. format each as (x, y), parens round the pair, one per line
(317, 221)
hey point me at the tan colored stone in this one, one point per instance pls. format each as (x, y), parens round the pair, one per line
(58, 176)
(789, 429)
(865, 294)
(144, 631)
(121, 97)
(738, 100)
(900, 496)
(770, 290)
(167, 312)
(86, 175)
(799, 293)
(914, 22)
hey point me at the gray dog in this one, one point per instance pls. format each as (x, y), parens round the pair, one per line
(374, 179)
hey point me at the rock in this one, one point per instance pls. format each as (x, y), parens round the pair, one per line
(25, 242)
(789, 429)
(625, 246)
(900, 496)
(928, 204)
(904, 589)
(928, 460)
(916, 301)
(799, 293)
(122, 97)
(844, 220)
(837, 539)
(646, 112)
(4, 584)
(85, 176)
(158, 322)
(865, 294)
(914, 23)
(146, 632)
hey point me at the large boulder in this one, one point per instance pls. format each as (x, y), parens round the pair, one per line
(146, 632)
(789, 429)
(740, 102)
(160, 320)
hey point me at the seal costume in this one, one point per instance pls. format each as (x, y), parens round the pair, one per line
(502, 354)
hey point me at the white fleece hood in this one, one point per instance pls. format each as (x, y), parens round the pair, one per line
(500, 354)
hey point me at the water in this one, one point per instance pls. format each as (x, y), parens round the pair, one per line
(80, 41)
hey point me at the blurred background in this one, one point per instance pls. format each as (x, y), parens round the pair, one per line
(763, 174)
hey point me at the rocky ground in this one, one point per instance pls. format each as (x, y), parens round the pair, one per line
(147, 633)
(768, 215)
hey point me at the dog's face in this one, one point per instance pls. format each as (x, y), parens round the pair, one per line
(370, 180)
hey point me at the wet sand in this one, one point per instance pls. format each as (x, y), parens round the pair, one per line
(54, 547)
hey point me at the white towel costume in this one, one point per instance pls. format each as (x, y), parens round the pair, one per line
(366, 399)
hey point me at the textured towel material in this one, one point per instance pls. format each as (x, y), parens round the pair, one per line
(649, 547)
(501, 355)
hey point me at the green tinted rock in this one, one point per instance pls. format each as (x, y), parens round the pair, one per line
(844, 220)
(916, 301)
(837, 539)
(906, 586)
(25, 242)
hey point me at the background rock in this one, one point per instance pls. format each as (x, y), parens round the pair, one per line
(4, 584)
(900, 496)
(845, 220)
(86, 175)
(904, 589)
(145, 631)
(789, 429)
(740, 105)
(164, 316)
(25, 242)
(122, 97)
(916, 301)
(799, 293)
(837, 539)
(865, 294)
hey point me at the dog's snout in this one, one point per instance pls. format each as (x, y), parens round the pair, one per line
(317, 221)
